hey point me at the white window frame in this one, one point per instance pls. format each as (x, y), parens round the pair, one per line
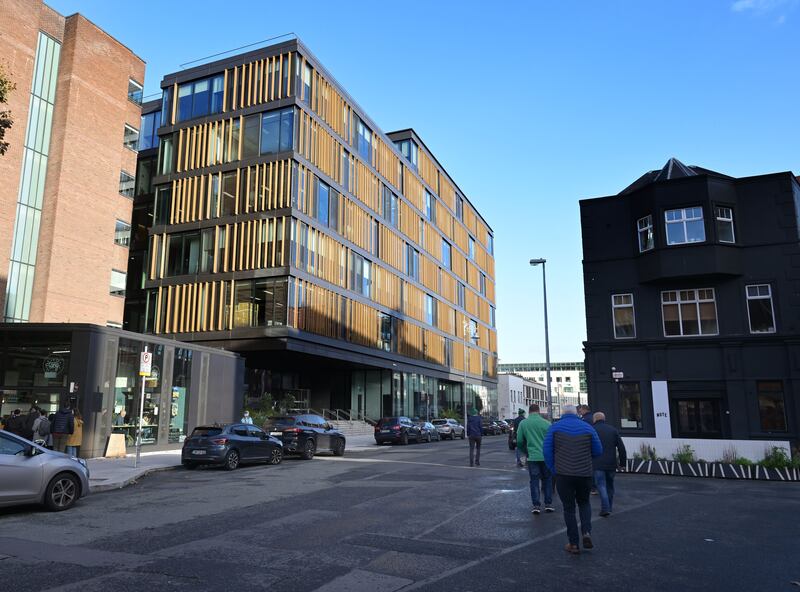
(682, 221)
(727, 219)
(614, 307)
(696, 301)
(760, 297)
(648, 228)
(132, 130)
(124, 276)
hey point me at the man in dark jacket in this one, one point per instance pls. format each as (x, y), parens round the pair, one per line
(512, 435)
(16, 423)
(569, 446)
(474, 433)
(61, 428)
(605, 465)
(585, 413)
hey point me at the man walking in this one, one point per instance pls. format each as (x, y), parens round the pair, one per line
(605, 465)
(62, 428)
(569, 446)
(474, 433)
(530, 436)
(585, 413)
(512, 437)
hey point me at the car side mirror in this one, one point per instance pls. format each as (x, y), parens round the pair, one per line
(30, 451)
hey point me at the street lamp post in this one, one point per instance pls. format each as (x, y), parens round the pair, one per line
(534, 263)
(467, 328)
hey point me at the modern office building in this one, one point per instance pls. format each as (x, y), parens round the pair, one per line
(67, 177)
(692, 306)
(567, 380)
(515, 392)
(342, 262)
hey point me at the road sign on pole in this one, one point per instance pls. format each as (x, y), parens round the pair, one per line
(145, 369)
(145, 363)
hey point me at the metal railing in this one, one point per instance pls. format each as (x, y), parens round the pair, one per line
(334, 414)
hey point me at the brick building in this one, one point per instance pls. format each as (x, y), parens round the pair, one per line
(67, 178)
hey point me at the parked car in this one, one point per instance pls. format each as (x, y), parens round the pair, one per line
(230, 445)
(398, 430)
(306, 435)
(448, 428)
(429, 431)
(504, 427)
(32, 474)
(489, 427)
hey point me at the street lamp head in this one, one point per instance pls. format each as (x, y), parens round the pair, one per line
(535, 262)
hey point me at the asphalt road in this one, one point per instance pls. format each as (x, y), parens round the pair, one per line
(401, 518)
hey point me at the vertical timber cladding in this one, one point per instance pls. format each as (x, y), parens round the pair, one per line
(328, 144)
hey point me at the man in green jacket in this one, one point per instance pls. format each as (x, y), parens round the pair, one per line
(530, 435)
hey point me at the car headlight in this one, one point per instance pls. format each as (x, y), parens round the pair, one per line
(80, 460)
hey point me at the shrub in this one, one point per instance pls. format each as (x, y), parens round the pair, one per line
(776, 458)
(646, 452)
(741, 460)
(684, 454)
(729, 455)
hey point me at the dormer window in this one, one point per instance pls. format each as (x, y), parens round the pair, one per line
(644, 227)
(685, 226)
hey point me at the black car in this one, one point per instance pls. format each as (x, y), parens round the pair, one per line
(489, 428)
(429, 431)
(397, 429)
(504, 426)
(306, 435)
(230, 445)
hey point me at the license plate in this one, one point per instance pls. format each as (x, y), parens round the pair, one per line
(279, 434)
(386, 431)
(198, 451)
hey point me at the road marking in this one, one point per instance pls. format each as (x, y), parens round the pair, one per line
(464, 511)
(360, 580)
(517, 547)
(411, 462)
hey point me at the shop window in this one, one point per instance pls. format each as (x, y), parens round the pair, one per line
(179, 395)
(760, 311)
(624, 318)
(630, 405)
(771, 408)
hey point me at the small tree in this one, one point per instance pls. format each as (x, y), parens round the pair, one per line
(6, 121)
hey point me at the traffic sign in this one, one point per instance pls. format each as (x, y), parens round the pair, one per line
(617, 375)
(145, 364)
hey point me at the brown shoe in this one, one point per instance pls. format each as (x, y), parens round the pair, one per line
(587, 542)
(572, 549)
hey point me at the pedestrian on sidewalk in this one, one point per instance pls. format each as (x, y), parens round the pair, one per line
(474, 433)
(530, 437)
(41, 429)
(569, 446)
(15, 423)
(76, 437)
(512, 438)
(605, 465)
(246, 418)
(61, 427)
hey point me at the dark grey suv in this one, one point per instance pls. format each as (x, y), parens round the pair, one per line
(306, 435)
(230, 445)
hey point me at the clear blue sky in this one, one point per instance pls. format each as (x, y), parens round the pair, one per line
(530, 106)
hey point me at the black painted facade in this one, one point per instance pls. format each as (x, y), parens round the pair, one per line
(726, 383)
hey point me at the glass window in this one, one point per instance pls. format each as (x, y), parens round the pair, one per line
(490, 244)
(162, 205)
(644, 227)
(287, 130)
(135, 91)
(228, 204)
(201, 95)
(232, 153)
(184, 253)
(698, 418)
(471, 248)
(166, 156)
(364, 142)
(685, 226)
(430, 206)
(446, 252)
(307, 71)
(148, 136)
(217, 92)
(251, 134)
(375, 250)
(460, 208)
(245, 310)
(207, 250)
(166, 105)
(430, 309)
(117, 283)
(10, 447)
(181, 385)
(323, 196)
(390, 206)
(184, 102)
(760, 311)
(145, 171)
(725, 232)
(412, 262)
(409, 149)
(461, 293)
(689, 312)
(492, 316)
(624, 318)
(130, 138)
(630, 406)
(270, 132)
(127, 184)
(333, 209)
(483, 284)
(122, 234)
(366, 282)
(771, 409)
(386, 332)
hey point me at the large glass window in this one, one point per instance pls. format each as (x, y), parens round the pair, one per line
(624, 318)
(145, 171)
(697, 418)
(122, 234)
(199, 98)
(446, 252)
(725, 232)
(166, 156)
(430, 309)
(412, 262)
(689, 312)
(364, 142)
(130, 138)
(228, 204)
(181, 385)
(390, 207)
(117, 287)
(684, 226)
(127, 184)
(760, 311)
(162, 206)
(630, 405)
(277, 128)
(183, 255)
(644, 228)
(771, 409)
(360, 274)
(251, 133)
(135, 91)
(409, 149)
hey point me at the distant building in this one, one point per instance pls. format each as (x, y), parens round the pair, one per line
(568, 380)
(515, 392)
(691, 282)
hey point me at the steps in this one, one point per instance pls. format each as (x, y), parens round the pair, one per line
(353, 428)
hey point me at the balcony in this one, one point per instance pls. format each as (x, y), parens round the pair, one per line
(689, 261)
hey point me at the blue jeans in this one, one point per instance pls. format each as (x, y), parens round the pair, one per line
(605, 487)
(572, 491)
(539, 472)
(71, 450)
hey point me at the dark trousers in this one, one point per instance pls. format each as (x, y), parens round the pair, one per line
(538, 471)
(474, 450)
(604, 481)
(574, 490)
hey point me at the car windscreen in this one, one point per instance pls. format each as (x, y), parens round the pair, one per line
(279, 422)
(439, 422)
(389, 421)
(206, 432)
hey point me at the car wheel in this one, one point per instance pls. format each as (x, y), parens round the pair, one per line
(276, 456)
(189, 465)
(308, 449)
(338, 448)
(62, 492)
(232, 460)
(404, 438)
(430, 438)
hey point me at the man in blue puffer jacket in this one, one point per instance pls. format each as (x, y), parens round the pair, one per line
(568, 447)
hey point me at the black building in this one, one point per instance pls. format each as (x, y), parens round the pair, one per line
(692, 286)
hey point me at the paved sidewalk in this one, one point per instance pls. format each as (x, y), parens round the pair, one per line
(116, 473)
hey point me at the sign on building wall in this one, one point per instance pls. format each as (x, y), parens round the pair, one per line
(661, 409)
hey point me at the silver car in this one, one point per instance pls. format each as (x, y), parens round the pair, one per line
(32, 474)
(448, 428)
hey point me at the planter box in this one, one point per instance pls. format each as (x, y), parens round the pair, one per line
(713, 470)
